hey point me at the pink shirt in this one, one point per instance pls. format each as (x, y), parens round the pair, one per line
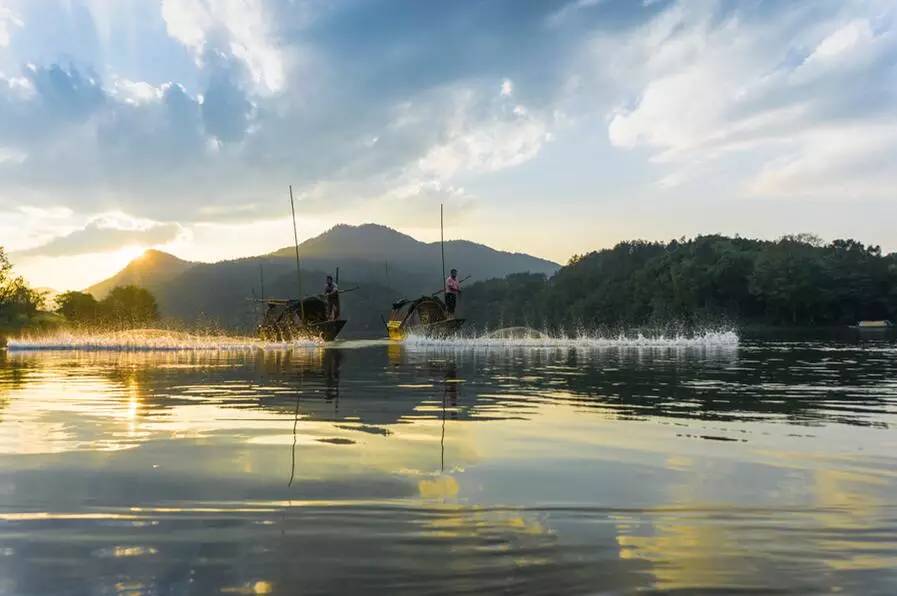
(452, 286)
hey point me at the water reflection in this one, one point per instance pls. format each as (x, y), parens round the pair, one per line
(379, 467)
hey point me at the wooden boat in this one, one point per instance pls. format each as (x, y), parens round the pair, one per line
(873, 325)
(305, 318)
(426, 316)
(288, 320)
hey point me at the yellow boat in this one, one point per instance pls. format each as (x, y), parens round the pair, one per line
(426, 316)
(873, 325)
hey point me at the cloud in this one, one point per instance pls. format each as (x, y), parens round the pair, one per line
(226, 110)
(134, 92)
(8, 21)
(237, 28)
(271, 93)
(353, 102)
(416, 205)
(485, 137)
(568, 10)
(507, 87)
(106, 234)
(711, 83)
(843, 163)
(65, 92)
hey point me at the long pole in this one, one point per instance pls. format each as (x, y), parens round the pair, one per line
(298, 268)
(442, 242)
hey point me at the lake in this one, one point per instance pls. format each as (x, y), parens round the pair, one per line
(763, 464)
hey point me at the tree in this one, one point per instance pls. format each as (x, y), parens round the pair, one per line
(78, 307)
(9, 283)
(129, 306)
(789, 277)
(18, 302)
(797, 280)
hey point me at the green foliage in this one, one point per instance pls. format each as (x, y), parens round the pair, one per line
(797, 280)
(19, 304)
(129, 306)
(79, 307)
(124, 307)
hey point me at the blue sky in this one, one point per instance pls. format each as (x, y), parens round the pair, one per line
(547, 127)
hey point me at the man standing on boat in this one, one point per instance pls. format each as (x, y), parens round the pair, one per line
(452, 291)
(331, 295)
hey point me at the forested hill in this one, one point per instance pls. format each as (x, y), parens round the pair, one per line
(797, 280)
(386, 264)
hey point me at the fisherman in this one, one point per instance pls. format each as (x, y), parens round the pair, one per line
(452, 291)
(331, 295)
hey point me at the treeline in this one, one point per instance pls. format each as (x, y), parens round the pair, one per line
(24, 309)
(126, 307)
(20, 305)
(797, 280)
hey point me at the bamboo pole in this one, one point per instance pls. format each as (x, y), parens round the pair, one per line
(442, 243)
(298, 268)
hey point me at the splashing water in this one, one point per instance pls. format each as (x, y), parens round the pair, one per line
(148, 340)
(511, 337)
(526, 337)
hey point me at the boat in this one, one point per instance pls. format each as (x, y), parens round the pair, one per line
(427, 316)
(873, 325)
(302, 318)
(290, 320)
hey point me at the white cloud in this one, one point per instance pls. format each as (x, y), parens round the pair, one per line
(506, 136)
(105, 233)
(8, 21)
(507, 87)
(243, 25)
(11, 155)
(20, 88)
(135, 92)
(843, 40)
(838, 163)
(708, 87)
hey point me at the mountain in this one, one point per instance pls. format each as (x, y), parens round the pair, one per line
(151, 270)
(372, 241)
(384, 263)
(384, 252)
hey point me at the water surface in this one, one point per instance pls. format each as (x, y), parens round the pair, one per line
(366, 466)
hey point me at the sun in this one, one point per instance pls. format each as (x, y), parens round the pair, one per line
(127, 254)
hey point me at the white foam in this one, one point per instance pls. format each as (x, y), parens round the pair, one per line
(148, 340)
(705, 339)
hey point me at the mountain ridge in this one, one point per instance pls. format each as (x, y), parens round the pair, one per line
(386, 263)
(149, 270)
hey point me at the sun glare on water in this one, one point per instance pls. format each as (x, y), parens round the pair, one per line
(148, 340)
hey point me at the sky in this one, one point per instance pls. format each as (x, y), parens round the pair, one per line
(553, 128)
